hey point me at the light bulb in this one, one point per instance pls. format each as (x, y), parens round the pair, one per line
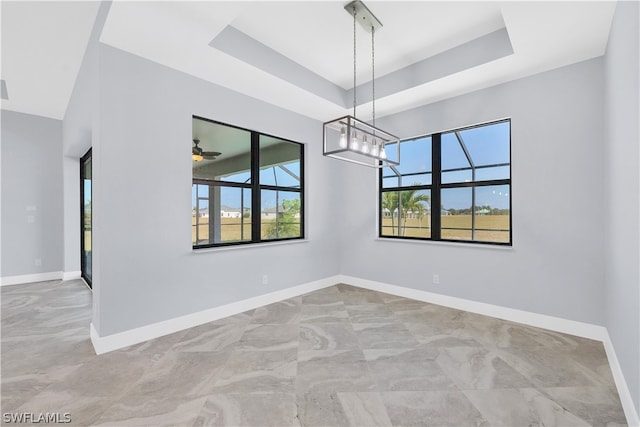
(374, 148)
(365, 145)
(383, 152)
(343, 137)
(354, 141)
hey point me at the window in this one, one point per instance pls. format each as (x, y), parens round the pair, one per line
(247, 187)
(85, 217)
(466, 172)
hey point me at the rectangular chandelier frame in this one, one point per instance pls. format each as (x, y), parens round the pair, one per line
(355, 141)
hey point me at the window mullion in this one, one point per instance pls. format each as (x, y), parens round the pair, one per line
(436, 180)
(256, 208)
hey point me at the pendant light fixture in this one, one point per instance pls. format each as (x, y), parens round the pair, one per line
(353, 140)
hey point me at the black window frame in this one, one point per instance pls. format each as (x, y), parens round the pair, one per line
(436, 187)
(256, 190)
(86, 263)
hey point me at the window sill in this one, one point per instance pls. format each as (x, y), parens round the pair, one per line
(248, 246)
(447, 243)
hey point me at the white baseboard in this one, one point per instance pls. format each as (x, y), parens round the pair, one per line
(71, 275)
(633, 420)
(105, 344)
(30, 278)
(585, 330)
(558, 324)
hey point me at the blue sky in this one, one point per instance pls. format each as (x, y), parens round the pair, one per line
(232, 196)
(486, 145)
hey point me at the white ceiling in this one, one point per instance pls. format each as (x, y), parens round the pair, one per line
(43, 42)
(42, 48)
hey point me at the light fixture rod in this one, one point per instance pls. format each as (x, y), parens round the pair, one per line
(363, 15)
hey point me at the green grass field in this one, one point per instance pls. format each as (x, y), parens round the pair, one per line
(232, 229)
(420, 228)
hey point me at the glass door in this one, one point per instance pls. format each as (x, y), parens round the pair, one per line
(85, 217)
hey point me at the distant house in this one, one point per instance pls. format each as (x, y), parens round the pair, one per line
(270, 213)
(202, 213)
(229, 212)
(409, 214)
(225, 212)
(445, 212)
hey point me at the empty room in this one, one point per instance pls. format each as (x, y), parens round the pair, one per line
(320, 213)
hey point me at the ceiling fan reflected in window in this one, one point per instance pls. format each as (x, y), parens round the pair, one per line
(197, 154)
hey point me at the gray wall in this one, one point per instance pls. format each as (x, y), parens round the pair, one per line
(77, 131)
(31, 187)
(556, 264)
(564, 261)
(622, 192)
(144, 268)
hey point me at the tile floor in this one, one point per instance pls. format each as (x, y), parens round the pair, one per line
(335, 357)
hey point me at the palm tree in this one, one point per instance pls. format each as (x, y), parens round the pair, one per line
(414, 202)
(409, 201)
(390, 203)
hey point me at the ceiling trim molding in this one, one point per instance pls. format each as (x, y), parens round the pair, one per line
(479, 51)
(249, 50)
(482, 50)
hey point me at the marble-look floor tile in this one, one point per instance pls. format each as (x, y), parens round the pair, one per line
(352, 377)
(249, 409)
(549, 368)
(211, 337)
(155, 349)
(419, 354)
(369, 313)
(339, 356)
(18, 390)
(327, 336)
(364, 409)
(257, 371)
(384, 335)
(287, 311)
(107, 375)
(190, 374)
(521, 407)
(398, 376)
(599, 406)
(581, 361)
(389, 298)
(326, 372)
(328, 295)
(479, 368)
(324, 313)
(432, 408)
(417, 311)
(269, 337)
(433, 335)
(318, 409)
(48, 358)
(140, 410)
(82, 410)
(351, 295)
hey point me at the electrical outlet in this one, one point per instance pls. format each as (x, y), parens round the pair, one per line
(265, 279)
(38, 262)
(436, 279)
